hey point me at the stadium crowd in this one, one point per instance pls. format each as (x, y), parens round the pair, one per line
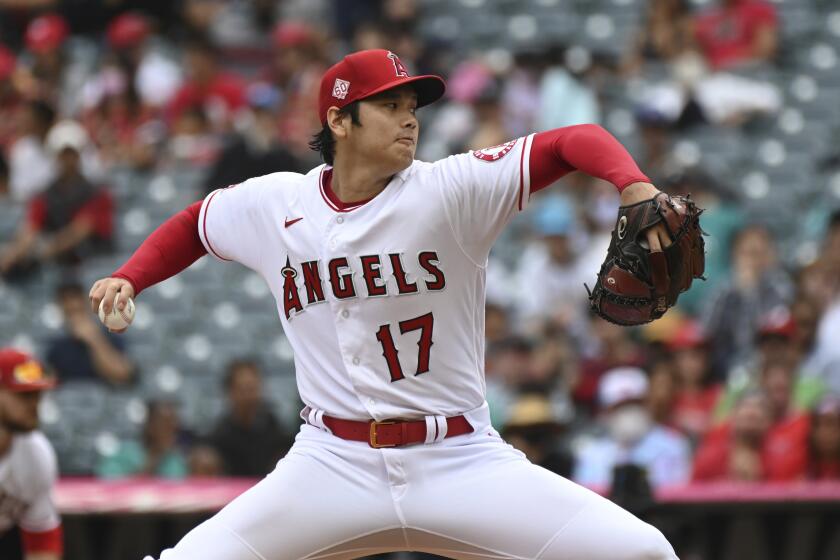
(740, 382)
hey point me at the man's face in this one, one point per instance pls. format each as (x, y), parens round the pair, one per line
(73, 306)
(245, 389)
(389, 130)
(19, 411)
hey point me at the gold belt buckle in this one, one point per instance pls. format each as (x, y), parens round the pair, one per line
(372, 440)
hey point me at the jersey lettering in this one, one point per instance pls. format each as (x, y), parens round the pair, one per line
(403, 285)
(342, 284)
(291, 299)
(429, 261)
(312, 281)
(341, 272)
(372, 275)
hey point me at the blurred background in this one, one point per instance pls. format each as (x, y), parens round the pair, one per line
(720, 422)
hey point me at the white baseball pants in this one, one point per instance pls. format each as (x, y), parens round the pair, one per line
(468, 497)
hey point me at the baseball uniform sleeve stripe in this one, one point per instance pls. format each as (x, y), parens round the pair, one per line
(203, 230)
(525, 172)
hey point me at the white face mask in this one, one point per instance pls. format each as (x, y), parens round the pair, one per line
(628, 424)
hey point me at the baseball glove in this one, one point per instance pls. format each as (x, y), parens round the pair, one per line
(636, 285)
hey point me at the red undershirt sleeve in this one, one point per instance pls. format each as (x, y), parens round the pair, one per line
(46, 541)
(171, 248)
(588, 148)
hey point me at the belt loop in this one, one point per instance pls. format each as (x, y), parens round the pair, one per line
(316, 418)
(443, 427)
(431, 429)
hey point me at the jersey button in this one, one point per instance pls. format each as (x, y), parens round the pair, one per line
(371, 402)
(356, 361)
(340, 220)
(345, 313)
(333, 244)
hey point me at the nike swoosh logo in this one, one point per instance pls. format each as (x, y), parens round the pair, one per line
(292, 222)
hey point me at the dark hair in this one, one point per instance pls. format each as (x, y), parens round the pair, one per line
(43, 112)
(236, 365)
(324, 142)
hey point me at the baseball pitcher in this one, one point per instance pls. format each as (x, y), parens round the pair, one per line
(377, 265)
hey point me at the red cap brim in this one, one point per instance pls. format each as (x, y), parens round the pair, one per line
(41, 385)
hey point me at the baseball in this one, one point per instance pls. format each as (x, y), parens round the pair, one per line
(116, 319)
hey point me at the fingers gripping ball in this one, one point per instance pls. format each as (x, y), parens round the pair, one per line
(117, 319)
(636, 285)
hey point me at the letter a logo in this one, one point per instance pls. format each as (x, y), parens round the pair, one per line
(399, 68)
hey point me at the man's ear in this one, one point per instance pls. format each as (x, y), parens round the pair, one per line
(338, 122)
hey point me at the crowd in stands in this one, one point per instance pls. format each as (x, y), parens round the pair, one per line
(741, 382)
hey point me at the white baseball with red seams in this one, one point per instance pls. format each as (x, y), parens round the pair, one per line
(117, 319)
(383, 304)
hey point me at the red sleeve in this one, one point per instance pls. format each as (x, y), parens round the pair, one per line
(762, 13)
(711, 461)
(100, 212)
(586, 147)
(45, 541)
(37, 213)
(171, 248)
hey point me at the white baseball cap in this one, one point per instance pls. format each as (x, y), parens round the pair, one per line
(622, 384)
(67, 134)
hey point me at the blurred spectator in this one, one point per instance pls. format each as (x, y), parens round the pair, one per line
(665, 35)
(71, 220)
(299, 60)
(157, 454)
(824, 284)
(778, 351)
(757, 286)
(53, 71)
(662, 389)
(10, 101)
(86, 351)
(256, 150)
(698, 386)
(565, 97)
(150, 71)
(248, 437)
(612, 347)
(786, 397)
(490, 127)
(533, 428)
(204, 461)
(219, 94)
(736, 33)
(736, 450)
(824, 440)
(31, 165)
(556, 261)
(631, 436)
(505, 362)
(722, 219)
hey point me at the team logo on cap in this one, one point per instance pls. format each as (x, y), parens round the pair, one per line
(494, 153)
(399, 67)
(341, 88)
(28, 372)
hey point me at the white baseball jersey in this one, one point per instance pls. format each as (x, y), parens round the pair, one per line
(383, 303)
(27, 474)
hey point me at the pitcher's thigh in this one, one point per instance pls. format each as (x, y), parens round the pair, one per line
(515, 509)
(304, 507)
